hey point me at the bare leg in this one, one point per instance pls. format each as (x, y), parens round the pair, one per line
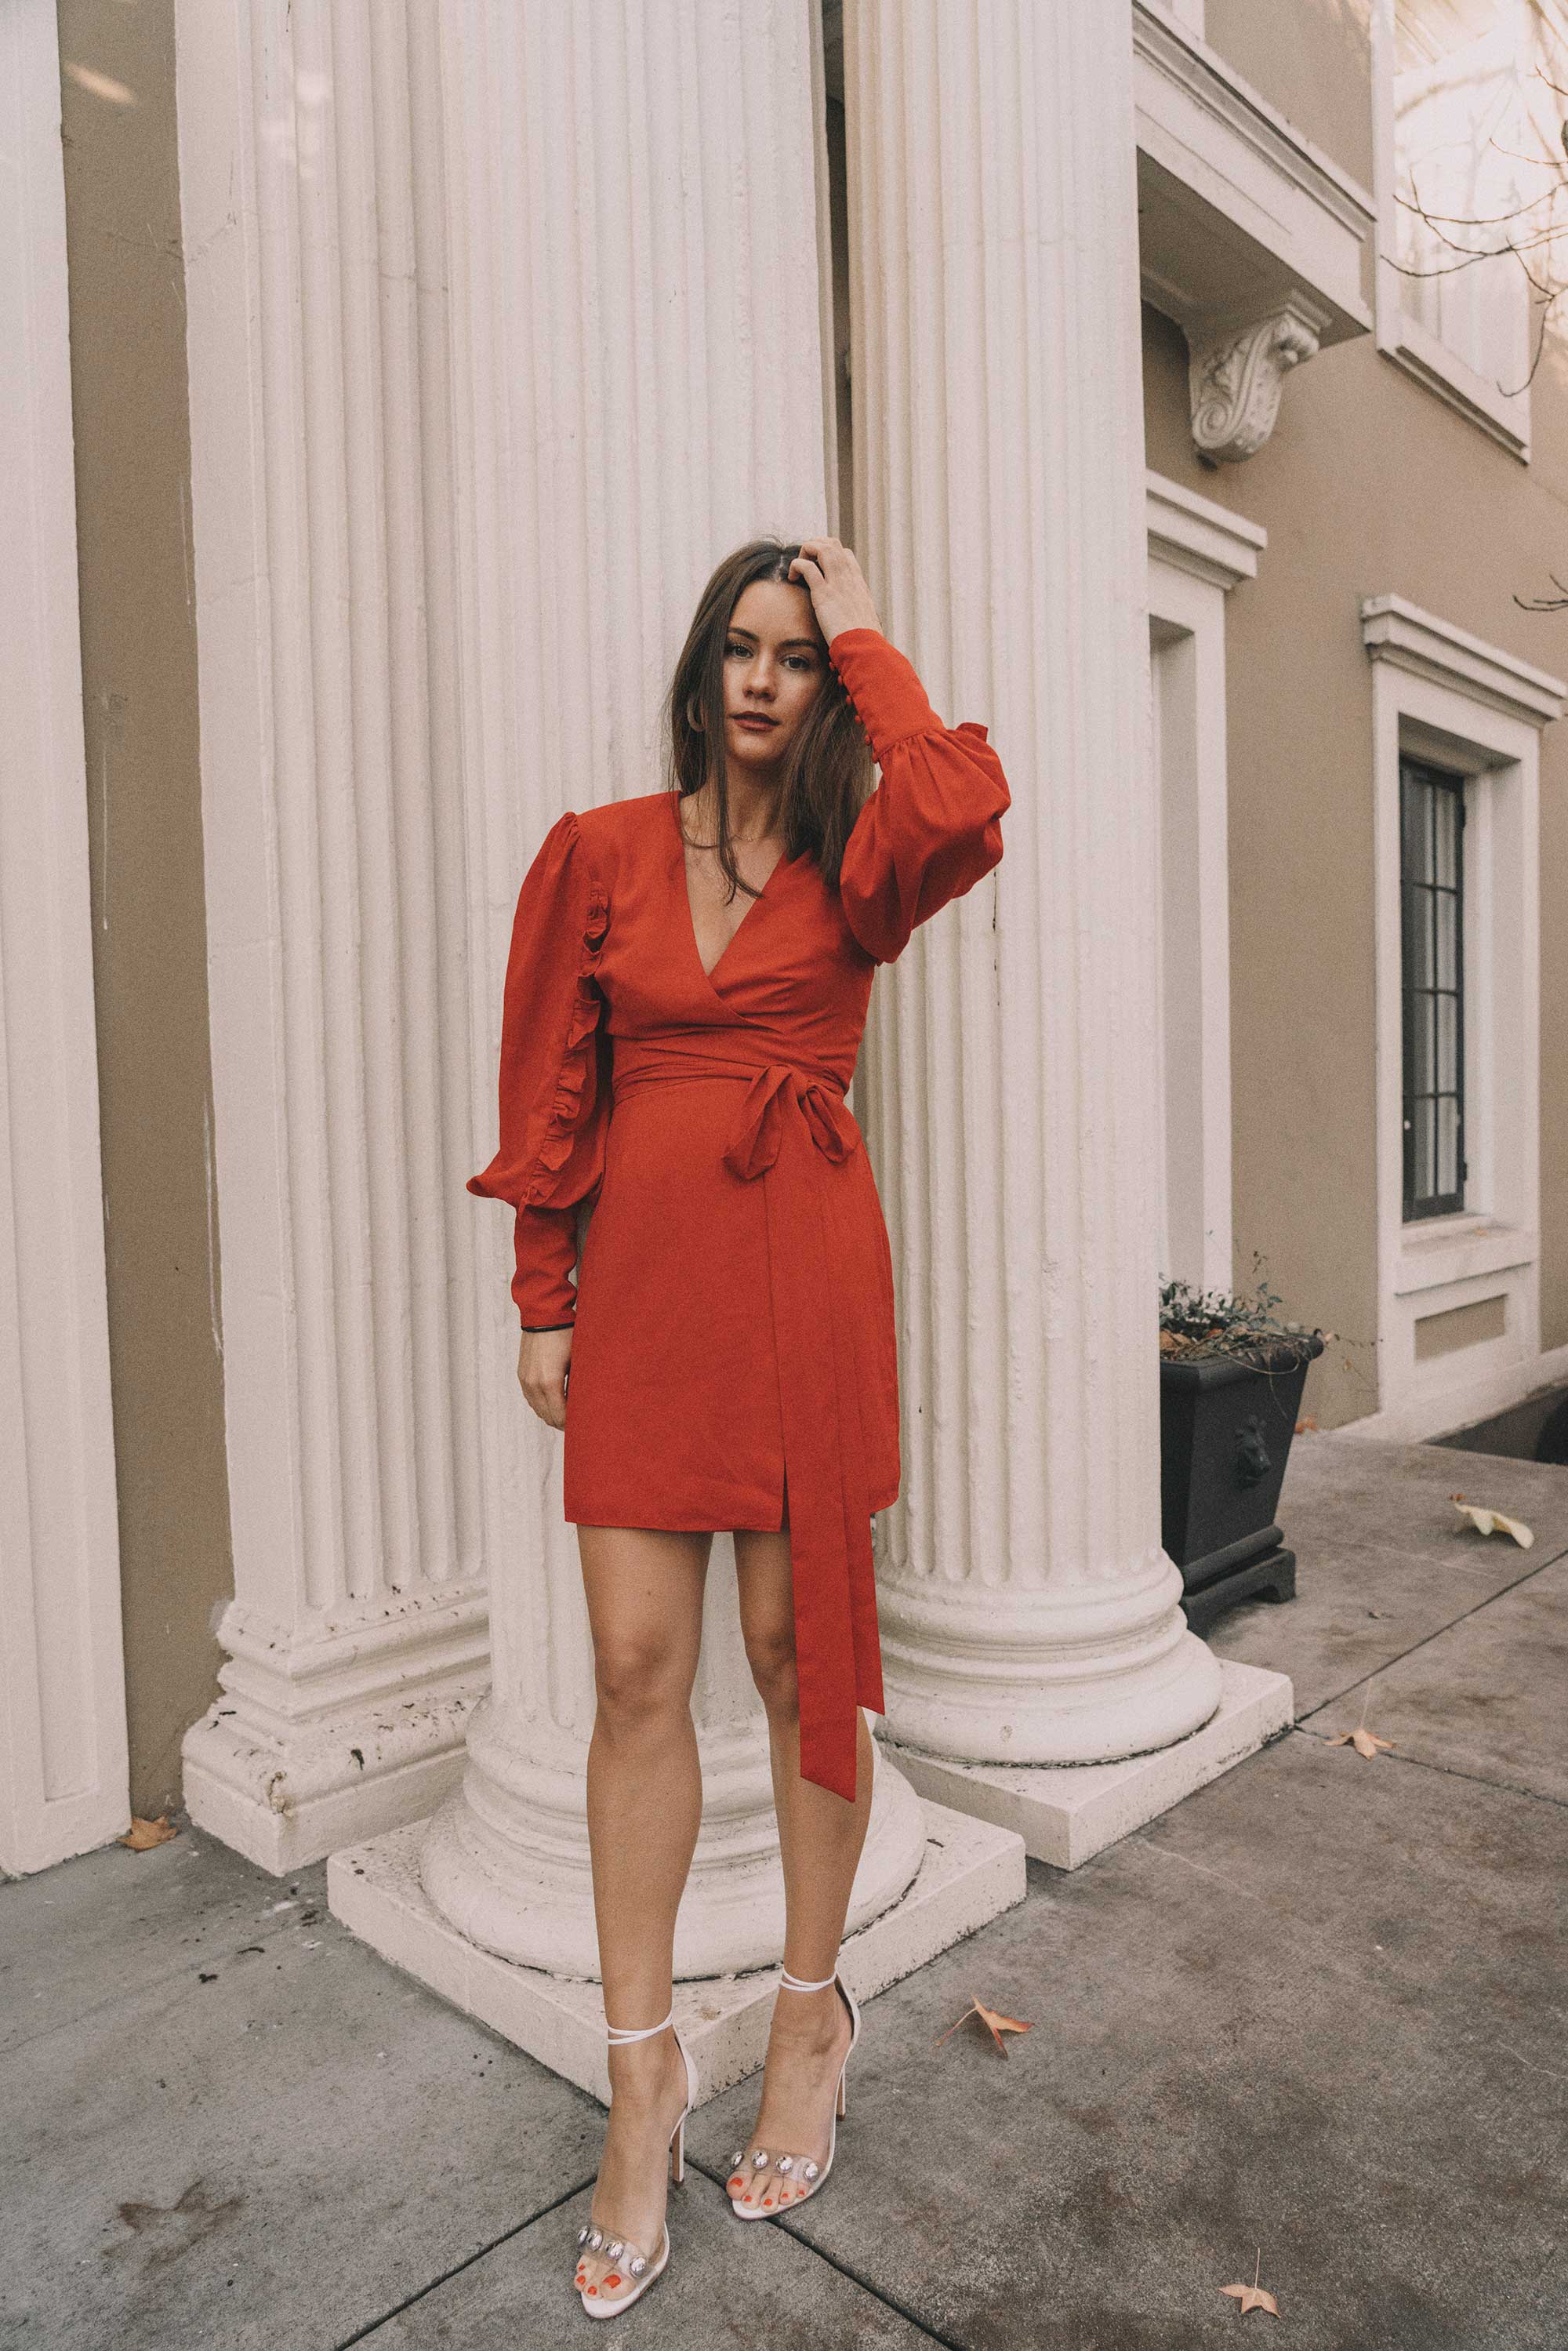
(645, 1590)
(821, 1837)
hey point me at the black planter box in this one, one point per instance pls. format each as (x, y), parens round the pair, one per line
(1224, 1436)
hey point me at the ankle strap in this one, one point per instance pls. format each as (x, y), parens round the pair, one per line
(617, 2032)
(786, 1982)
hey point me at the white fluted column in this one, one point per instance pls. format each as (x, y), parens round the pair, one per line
(63, 1760)
(638, 312)
(312, 191)
(1029, 1616)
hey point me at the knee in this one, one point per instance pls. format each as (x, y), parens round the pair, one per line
(639, 1685)
(771, 1658)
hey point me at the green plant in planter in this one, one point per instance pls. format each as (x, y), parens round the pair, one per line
(1212, 1326)
(1231, 1374)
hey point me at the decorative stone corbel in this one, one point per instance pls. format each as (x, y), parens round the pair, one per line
(1235, 379)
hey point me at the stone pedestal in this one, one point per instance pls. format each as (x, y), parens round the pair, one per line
(1067, 1813)
(969, 1872)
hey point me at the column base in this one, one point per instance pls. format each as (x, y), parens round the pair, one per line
(972, 1873)
(1066, 1812)
(506, 1858)
(284, 1805)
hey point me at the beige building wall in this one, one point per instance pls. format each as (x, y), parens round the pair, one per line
(1312, 59)
(139, 678)
(1368, 485)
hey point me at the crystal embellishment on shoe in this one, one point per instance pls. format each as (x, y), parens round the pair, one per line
(804, 2174)
(641, 2269)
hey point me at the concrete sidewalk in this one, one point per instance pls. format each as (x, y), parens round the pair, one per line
(1314, 2015)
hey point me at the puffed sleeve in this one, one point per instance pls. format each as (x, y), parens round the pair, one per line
(932, 827)
(554, 1077)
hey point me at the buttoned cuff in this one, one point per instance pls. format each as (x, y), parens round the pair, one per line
(884, 687)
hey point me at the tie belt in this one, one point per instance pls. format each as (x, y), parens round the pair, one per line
(796, 1122)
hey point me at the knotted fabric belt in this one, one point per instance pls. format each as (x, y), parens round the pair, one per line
(792, 1122)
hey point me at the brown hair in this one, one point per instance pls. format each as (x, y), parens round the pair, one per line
(827, 773)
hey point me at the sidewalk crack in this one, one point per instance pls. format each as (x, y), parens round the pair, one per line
(480, 2253)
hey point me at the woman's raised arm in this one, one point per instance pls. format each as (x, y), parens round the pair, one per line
(932, 827)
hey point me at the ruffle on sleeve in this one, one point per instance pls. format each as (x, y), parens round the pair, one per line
(932, 828)
(572, 1130)
(554, 1095)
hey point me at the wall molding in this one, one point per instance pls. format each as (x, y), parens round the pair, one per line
(1198, 552)
(1252, 238)
(1238, 119)
(1396, 632)
(1195, 534)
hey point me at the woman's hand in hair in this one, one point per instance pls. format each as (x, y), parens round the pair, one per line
(831, 574)
(542, 1360)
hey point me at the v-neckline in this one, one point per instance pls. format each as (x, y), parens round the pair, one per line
(682, 885)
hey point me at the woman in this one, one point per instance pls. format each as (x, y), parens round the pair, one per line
(700, 959)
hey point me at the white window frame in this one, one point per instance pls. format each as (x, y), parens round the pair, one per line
(1412, 346)
(1440, 694)
(1198, 552)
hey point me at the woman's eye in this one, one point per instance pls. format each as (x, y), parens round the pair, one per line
(795, 661)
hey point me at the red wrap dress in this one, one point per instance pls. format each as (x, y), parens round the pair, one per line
(732, 1317)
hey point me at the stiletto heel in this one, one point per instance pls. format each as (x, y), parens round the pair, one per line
(638, 2265)
(795, 2168)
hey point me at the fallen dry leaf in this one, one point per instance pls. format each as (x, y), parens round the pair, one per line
(1485, 1522)
(1254, 2296)
(143, 1833)
(1308, 1423)
(995, 2025)
(1365, 1742)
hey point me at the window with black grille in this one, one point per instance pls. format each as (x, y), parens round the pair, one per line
(1432, 897)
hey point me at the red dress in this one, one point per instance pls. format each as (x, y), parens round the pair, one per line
(733, 1306)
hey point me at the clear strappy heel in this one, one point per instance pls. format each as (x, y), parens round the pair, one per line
(803, 2173)
(635, 2262)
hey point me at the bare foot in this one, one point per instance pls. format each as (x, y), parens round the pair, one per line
(648, 2089)
(807, 2046)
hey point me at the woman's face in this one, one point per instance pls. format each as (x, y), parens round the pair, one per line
(774, 664)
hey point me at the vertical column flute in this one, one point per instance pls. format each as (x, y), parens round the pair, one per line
(1030, 1613)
